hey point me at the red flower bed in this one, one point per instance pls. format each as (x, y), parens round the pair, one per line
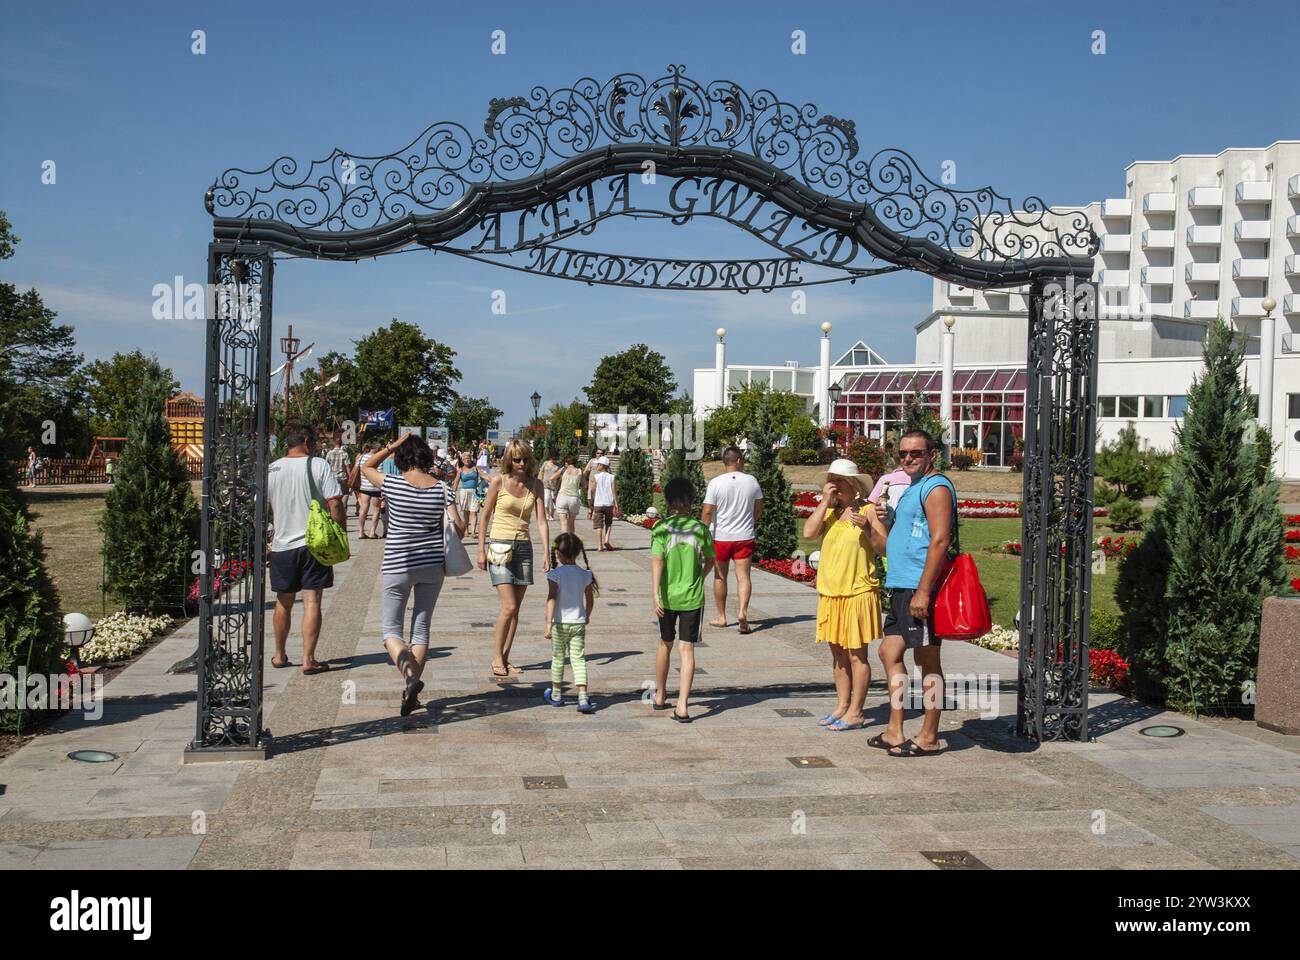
(649, 522)
(791, 570)
(1293, 520)
(1292, 555)
(1117, 546)
(227, 575)
(1107, 668)
(1295, 584)
(1013, 547)
(1293, 536)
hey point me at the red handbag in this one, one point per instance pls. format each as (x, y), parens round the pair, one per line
(961, 608)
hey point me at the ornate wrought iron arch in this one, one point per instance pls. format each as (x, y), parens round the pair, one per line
(538, 149)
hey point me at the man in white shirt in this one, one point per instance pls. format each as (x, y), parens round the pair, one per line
(732, 505)
(293, 569)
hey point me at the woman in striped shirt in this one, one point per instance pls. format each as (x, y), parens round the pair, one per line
(414, 552)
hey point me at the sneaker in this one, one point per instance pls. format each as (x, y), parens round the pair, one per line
(553, 701)
(586, 707)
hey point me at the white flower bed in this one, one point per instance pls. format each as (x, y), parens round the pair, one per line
(120, 636)
(999, 638)
(637, 518)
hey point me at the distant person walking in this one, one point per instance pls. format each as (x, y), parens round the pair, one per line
(603, 497)
(733, 502)
(507, 554)
(367, 492)
(682, 555)
(917, 554)
(568, 501)
(339, 461)
(467, 480)
(551, 482)
(293, 568)
(848, 590)
(571, 594)
(33, 466)
(414, 553)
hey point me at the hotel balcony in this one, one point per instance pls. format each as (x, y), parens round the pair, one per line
(1204, 236)
(1293, 187)
(1252, 230)
(1291, 304)
(1249, 269)
(1247, 307)
(1157, 239)
(1204, 198)
(1116, 243)
(1292, 266)
(1293, 226)
(1114, 279)
(958, 293)
(1201, 273)
(1200, 309)
(1157, 276)
(1122, 207)
(1158, 203)
(1255, 191)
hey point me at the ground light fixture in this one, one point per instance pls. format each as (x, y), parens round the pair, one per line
(1162, 730)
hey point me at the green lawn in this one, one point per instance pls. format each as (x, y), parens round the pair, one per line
(1000, 573)
(69, 524)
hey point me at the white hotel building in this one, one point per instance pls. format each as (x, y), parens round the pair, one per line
(1192, 238)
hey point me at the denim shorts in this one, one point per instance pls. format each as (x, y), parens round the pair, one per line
(519, 571)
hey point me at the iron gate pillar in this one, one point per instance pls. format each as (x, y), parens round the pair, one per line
(236, 438)
(1056, 514)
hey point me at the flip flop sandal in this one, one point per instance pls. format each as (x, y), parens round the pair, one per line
(410, 695)
(910, 749)
(281, 666)
(681, 719)
(321, 667)
(839, 726)
(511, 668)
(662, 706)
(880, 743)
(827, 720)
(746, 628)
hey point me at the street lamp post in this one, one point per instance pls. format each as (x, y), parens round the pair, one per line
(537, 402)
(833, 391)
(1267, 336)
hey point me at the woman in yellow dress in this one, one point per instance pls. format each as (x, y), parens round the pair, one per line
(848, 590)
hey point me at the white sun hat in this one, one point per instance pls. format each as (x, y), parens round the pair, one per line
(849, 471)
(603, 461)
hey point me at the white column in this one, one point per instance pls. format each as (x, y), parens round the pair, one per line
(945, 398)
(1267, 348)
(720, 369)
(824, 385)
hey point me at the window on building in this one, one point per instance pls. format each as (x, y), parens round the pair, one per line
(1128, 407)
(1178, 406)
(1153, 406)
(1105, 406)
(1293, 406)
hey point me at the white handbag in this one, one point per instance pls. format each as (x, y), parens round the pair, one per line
(455, 560)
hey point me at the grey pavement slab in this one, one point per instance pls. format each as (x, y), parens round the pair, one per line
(352, 785)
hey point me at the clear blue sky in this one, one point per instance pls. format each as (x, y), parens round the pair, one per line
(139, 126)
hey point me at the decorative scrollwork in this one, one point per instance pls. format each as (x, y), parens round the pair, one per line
(526, 136)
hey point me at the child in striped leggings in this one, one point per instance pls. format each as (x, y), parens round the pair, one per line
(571, 593)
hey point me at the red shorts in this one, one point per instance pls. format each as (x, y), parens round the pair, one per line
(726, 550)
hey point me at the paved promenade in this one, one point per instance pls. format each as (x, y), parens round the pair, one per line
(490, 776)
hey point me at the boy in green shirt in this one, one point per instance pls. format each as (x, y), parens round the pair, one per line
(681, 557)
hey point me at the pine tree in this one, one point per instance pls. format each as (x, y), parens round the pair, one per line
(635, 480)
(677, 465)
(1192, 592)
(151, 520)
(775, 538)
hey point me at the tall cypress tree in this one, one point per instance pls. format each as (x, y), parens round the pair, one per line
(1192, 592)
(775, 538)
(636, 481)
(677, 465)
(151, 519)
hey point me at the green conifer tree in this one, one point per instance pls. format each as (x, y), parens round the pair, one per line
(636, 481)
(775, 538)
(151, 519)
(1192, 592)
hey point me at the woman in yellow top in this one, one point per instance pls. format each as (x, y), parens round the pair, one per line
(848, 591)
(512, 501)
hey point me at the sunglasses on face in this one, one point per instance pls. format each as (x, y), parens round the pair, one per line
(911, 454)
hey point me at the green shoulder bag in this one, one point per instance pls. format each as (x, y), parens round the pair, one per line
(327, 541)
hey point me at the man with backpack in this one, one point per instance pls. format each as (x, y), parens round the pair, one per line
(294, 569)
(917, 554)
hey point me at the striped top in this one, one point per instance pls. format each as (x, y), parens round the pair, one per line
(415, 516)
(366, 485)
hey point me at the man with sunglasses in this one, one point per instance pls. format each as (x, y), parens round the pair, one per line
(917, 554)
